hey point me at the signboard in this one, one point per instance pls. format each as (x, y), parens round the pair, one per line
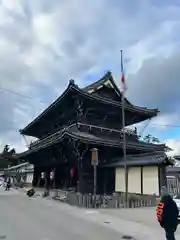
(52, 175)
(42, 175)
(94, 157)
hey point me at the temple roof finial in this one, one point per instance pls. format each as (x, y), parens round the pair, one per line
(109, 73)
(72, 82)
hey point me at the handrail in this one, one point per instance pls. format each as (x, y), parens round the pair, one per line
(50, 136)
(108, 129)
(34, 144)
(128, 131)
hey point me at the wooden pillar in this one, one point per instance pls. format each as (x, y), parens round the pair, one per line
(78, 157)
(165, 175)
(162, 177)
(159, 179)
(142, 180)
(54, 178)
(80, 183)
(34, 181)
(57, 178)
(104, 180)
(47, 178)
(37, 176)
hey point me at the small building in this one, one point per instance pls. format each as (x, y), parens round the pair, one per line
(146, 173)
(21, 173)
(91, 117)
(173, 177)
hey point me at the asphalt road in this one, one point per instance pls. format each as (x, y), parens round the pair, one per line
(23, 218)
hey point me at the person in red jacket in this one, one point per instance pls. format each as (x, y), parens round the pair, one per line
(167, 214)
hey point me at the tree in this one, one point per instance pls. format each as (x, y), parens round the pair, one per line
(168, 149)
(147, 138)
(150, 139)
(6, 149)
(155, 140)
(12, 152)
(7, 157)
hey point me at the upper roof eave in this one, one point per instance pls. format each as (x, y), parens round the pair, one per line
(48, 109)
(128, 106)
(106, 77)
(101, 81)
(115, 103)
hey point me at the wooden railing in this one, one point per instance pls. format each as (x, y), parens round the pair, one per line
(131, 135)
(55, 135)
(127, 130)
(105, 201)
(46, 139)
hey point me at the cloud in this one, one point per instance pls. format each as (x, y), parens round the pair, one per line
(174, 144)
(158, 80)
(43, 44)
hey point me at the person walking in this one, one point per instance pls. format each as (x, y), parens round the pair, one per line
(8, 185)
(167, 214)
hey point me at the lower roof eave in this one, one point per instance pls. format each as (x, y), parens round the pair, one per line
(177, 157)
(88, 138)
(148, 159)
(173, 169)
(132, 165)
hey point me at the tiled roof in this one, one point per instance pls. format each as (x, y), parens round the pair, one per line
(142, 159)
(106, 78)
(84, 92)
(177, 157)
(97, 83)
(173, 169)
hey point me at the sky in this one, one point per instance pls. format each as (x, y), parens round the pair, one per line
(44, 44)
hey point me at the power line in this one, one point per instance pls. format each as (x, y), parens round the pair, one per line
(166, 125)
(163, 125)
(145, 126)
(31, 98)
(20, 94)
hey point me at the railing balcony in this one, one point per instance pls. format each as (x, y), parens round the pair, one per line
(102, 132)
(108, 132)
(45, 140)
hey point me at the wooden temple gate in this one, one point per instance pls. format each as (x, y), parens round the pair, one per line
(79, 120)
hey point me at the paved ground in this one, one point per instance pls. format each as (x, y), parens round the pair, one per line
(23, 218)
(142, 221)
(145, 216)
(40, 219)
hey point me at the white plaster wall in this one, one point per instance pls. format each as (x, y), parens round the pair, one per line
(150, 180)
(134, 180)
(120, 180)
(29, 178)
(30, 167)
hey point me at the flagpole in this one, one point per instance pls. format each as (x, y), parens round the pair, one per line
(124, 137)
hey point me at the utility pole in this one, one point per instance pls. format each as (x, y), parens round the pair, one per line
(124, 133)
